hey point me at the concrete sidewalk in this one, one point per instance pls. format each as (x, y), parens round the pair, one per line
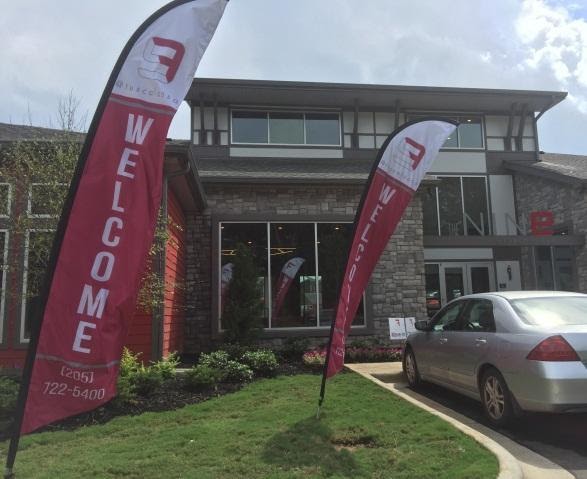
(515, 461)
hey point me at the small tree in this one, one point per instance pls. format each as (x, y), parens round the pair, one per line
(243, 307)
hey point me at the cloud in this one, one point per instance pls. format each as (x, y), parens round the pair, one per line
(529, 44)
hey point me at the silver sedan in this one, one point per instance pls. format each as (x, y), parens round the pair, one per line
(513, 351)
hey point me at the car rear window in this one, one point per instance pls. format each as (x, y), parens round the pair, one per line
(552, 311)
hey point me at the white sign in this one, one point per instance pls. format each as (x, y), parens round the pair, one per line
(397, 329)
(410, 326)
(400, 328)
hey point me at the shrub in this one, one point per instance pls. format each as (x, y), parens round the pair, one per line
(166, 366)
(146, 380)
(293, 349)
(129, 362)
(8, 394)
(125, 391)
(235, 372)
(135, 378)
(371, 354)
(232, 371)
(202, 377)
(217, 359)
(314, 358)
(263, 362)
(235, 350)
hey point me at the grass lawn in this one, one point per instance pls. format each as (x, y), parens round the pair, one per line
(266, 430)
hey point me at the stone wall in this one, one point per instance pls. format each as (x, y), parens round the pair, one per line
(569, 206)
(397, 285)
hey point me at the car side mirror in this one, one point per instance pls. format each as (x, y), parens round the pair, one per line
(421, 325)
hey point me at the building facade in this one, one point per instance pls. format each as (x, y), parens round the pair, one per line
(280, 167)
(283, 166)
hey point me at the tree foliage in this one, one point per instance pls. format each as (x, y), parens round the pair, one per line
(243, 307)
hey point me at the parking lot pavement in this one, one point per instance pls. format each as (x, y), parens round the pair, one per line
(545, 446)
(562, 438)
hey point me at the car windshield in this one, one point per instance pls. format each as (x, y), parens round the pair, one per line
(552, 311)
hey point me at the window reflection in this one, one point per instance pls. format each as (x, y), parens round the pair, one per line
(293, 275)
(450, 203)
(299, 297)
(333, 243)
(254, 235)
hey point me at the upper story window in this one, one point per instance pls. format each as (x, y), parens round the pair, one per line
(285, 128)
(468, 135)
(459, 206)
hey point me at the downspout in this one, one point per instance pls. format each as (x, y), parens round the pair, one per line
(159, 311)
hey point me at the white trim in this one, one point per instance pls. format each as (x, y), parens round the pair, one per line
(464, 254)
(4, 275)
(7, 215)
(23, 295)
(30, 201)
(301, 152)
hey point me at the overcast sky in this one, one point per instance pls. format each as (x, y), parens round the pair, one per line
(48, 48)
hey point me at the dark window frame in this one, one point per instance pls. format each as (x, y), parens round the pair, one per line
(314, 331)
(269, 143)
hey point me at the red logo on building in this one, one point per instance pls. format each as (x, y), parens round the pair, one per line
(163, 57)
(541, 223)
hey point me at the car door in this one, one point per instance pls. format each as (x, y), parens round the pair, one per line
(436, 341)
(471, 343)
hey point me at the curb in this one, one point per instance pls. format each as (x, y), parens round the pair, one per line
(531, 466)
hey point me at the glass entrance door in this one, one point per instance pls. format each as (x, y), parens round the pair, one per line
(447, 281)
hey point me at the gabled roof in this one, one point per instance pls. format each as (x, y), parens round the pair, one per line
(315, 171)
(283, 170)
(10, 133)
(569, 169)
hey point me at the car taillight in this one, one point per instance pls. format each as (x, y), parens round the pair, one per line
(554, 348)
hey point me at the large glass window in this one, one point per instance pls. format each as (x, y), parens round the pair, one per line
(305, 262)
(458, 206)
(475, 205)
(249, 127)
(468, 135)
(333, 244)
(36, 257)
(554, 268)
(286, 128)
(293, 275)
(254, 236)
(322, 129)
(450, 201)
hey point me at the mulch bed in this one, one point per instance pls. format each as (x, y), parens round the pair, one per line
(172, 395)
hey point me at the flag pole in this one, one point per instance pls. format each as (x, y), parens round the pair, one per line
(39, 312)
(350, 245)
(357, 219)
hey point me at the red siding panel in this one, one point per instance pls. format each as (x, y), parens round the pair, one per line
(174, 302)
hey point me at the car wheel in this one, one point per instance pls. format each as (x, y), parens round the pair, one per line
(411, 369)
(496, 398)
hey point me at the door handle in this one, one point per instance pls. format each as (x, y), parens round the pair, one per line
(443, 340)
(480, 341)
